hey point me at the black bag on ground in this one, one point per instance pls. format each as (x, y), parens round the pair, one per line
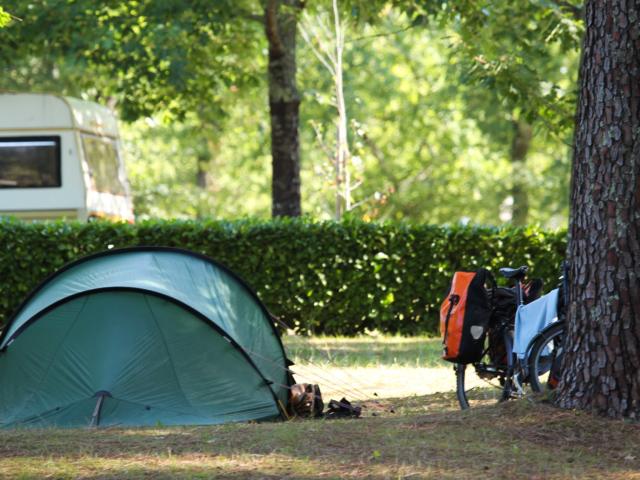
(342, 409)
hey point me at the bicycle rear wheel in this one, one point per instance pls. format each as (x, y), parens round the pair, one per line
(479, 384)
(545, 359)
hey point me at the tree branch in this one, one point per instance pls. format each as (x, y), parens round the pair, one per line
(254, 17)
(379, 155)
(383, 34)
(271, 26)
(576, 11)
(308, 38)
(328, 152)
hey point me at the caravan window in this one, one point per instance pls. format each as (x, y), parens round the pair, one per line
(29, 162)
(104, 165)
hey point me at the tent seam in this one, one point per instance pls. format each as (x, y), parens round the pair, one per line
(55, 356)
(166, 347)
(41, 415)
(184, 413)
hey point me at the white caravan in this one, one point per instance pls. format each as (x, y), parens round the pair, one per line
(60, 158)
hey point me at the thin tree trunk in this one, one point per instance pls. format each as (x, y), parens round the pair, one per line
(519, 149)
(602, 363)
(284, 104)
(342, 186)
(343, 178)
(207, 152)
(203, 177)
(329, 49)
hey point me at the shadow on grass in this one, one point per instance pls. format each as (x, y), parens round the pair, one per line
(426, 437)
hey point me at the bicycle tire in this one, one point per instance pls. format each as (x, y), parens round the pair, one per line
(471, 393)
(545, 359)
(460, 392)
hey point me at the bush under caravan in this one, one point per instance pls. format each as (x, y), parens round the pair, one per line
(60, 158)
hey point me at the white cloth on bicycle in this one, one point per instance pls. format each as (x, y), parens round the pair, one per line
(532, 318)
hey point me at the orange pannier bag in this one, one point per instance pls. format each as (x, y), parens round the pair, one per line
(465, 315)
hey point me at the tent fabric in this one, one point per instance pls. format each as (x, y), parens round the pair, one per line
(140, 337)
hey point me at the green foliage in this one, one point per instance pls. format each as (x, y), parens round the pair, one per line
(521, 55)
(318, 277)
(426, 141)
(149, 55)
(164, 161)
(431, 126)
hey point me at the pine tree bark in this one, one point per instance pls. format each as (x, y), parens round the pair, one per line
(602, 363)
(284, 105)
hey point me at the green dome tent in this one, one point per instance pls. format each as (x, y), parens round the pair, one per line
(141, 336)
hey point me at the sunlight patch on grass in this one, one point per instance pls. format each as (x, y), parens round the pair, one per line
(370, 367)
(365, 351)
(381, 382)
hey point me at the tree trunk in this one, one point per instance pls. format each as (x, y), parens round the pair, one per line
(284, 104)
(203, 177)
(343, 155)
(602, 363)
(522, 134)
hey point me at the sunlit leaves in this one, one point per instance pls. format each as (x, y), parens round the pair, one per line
(5, 18)
(167, 55)
(431, 95)
(429, 148)
(433, 148)
(525, 52)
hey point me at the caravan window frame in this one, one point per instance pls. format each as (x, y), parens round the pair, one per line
(57, 140)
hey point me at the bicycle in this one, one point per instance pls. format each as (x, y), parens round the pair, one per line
(506, 373)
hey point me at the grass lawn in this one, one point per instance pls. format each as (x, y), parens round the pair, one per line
(417, 436)
(365, 368)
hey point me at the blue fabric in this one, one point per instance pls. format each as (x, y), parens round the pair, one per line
(532, 318)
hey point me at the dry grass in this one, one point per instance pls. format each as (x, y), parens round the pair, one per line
(423, 436)
(426, 437)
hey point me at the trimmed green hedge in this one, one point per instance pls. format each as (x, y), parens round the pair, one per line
(318, 277)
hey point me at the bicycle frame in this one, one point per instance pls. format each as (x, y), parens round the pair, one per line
(516, 371)
(498, 361)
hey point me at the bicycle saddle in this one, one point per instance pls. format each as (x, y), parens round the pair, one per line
(515, 273)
